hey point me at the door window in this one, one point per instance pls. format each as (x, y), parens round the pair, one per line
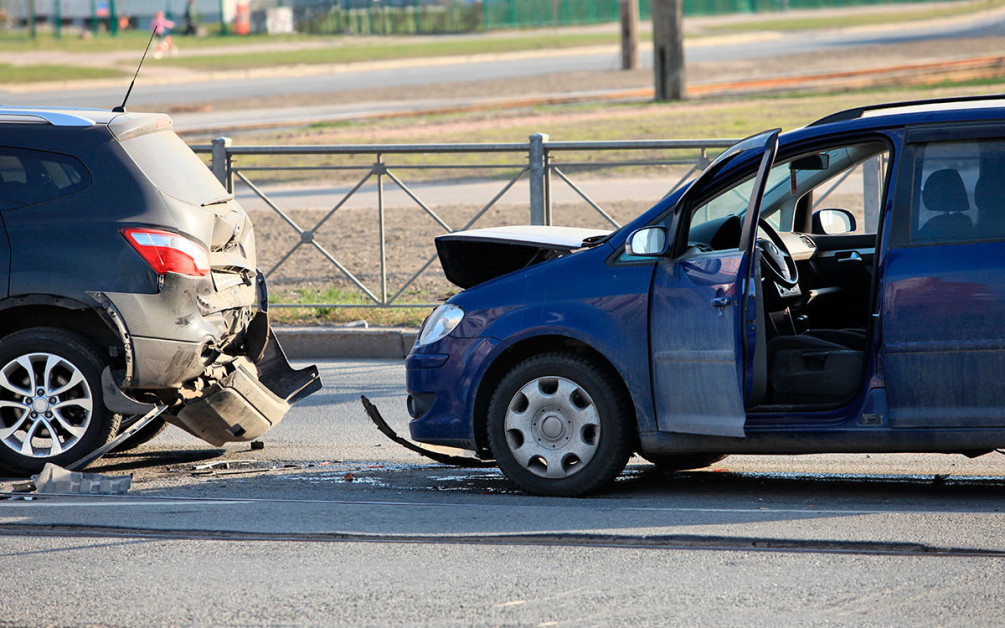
(959, 191)
(848, 177)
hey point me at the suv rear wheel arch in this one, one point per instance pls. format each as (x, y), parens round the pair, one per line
(24, 312)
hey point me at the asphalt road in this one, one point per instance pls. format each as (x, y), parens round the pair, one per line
(331, 523)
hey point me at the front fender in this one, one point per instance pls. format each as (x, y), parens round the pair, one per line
(616, 327)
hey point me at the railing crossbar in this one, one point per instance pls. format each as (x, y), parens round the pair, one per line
(268, 201)
(615, 164)
(447, 166)
(687, 175)
(495, 198)
(346, 272)
(586, 197)
(412, 279)
(418, 202)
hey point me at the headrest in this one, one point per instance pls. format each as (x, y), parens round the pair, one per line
(989, 193)
(944, 192)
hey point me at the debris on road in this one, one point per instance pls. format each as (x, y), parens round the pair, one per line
(225, 467)
(457, 461)
(56, 479)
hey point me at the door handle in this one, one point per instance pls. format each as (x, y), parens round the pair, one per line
(851, 257)
(721, 301)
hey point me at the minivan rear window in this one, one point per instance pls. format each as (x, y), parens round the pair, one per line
(172, 166)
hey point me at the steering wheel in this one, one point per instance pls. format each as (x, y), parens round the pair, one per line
(776, 262)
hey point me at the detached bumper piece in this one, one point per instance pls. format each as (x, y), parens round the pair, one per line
(385, 429)
(251, 399)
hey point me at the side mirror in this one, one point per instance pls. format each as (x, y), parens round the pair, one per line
(647, 242)
(833, 221)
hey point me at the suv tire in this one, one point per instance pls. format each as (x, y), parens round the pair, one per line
(51, 406)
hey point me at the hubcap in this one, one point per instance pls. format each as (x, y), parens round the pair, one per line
(552, 427)
(45, 405)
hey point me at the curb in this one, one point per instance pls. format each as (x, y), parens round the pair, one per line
(318, 343)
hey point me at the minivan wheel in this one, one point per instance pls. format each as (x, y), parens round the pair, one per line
(559, 424)
(682, 462)
(51, 408)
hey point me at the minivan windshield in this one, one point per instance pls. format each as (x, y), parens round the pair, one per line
(172, 166)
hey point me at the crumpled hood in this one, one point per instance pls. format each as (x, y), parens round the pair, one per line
(473, 257)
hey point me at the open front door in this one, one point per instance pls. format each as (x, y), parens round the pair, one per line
(704, 304)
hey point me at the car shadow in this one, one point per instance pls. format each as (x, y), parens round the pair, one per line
(145, 459)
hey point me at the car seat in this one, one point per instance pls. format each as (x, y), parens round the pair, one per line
(989, 196)
(808, 370)
(945, 194)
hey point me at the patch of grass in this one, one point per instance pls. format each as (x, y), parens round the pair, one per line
(377, 317)
(36, 73)
(136, 40)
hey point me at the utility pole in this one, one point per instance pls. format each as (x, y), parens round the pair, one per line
(629, 34)
(668, 49)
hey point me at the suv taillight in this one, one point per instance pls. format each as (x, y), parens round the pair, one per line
(168, 252)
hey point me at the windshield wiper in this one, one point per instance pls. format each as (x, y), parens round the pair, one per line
(593, 241)
(217, 201)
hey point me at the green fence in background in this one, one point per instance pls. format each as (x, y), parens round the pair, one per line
(501, 14)
(24, 19)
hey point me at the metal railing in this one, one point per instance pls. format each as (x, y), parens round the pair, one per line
(542, 162)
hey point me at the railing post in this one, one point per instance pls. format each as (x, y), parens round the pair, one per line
(380, 169)
(539, 205)
(221, 162)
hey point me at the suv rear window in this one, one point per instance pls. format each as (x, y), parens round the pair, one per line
(28, 177)
(172, 166)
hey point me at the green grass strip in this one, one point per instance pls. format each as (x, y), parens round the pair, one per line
(40, 73)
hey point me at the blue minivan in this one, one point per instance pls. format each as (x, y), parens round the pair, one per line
(837, 288)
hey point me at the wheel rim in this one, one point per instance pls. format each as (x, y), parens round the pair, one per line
(552, 427)
(45, 405)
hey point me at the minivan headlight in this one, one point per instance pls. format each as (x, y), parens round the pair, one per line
(441, 322)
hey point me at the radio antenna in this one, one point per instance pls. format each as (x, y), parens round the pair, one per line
(121, 108)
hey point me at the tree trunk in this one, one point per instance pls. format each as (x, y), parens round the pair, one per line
(668, 49)
(629, 34)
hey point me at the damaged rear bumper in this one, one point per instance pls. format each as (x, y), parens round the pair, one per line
(217, 392)
(249, 400)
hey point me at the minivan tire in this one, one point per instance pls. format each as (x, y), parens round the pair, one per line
(51, 406)
(560, 424)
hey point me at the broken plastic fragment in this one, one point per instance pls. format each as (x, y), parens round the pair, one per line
(56, 479)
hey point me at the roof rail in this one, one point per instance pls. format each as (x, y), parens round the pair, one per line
(858, 112)
(55, 118)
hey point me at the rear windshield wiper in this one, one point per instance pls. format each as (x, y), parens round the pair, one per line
(217, 201)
